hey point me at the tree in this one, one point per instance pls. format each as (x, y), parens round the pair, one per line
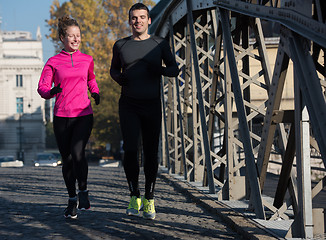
(102, 22)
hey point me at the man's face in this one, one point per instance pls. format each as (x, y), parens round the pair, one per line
(139, 21)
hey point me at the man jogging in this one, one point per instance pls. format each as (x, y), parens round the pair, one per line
(137, 67)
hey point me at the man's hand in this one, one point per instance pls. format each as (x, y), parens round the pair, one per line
(123, 78)
(96, 98)
(56, 90)
(155, 69)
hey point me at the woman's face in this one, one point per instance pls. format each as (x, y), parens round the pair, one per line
(72, 39)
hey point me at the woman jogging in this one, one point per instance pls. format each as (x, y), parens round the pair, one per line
(67, 76)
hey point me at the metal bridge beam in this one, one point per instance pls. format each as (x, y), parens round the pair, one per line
(223, 118)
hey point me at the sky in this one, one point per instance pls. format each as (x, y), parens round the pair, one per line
(27, 15)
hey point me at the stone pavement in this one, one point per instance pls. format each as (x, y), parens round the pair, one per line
(33, 200)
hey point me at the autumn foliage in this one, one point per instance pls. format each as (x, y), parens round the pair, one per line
(102, 22)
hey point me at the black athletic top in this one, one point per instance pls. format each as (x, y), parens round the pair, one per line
(137, 66)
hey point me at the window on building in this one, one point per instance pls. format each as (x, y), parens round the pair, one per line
(20, 104)
(19, 80)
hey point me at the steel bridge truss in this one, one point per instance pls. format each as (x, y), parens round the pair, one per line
(214, 131)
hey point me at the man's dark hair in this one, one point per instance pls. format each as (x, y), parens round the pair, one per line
(138, 6)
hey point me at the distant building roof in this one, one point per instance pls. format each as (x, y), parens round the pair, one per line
(16, 35)
(19, 57)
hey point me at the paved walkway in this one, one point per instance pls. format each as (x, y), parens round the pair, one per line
(33, 200)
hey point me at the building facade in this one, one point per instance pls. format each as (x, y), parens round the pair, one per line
(22, 129)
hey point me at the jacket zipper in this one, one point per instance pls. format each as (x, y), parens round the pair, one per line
(72, 62)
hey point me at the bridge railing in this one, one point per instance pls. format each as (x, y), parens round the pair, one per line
(251, 90)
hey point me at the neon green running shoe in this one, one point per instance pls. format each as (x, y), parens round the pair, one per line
(134, 206)
(149, 209)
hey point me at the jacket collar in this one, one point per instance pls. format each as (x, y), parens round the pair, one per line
(66, 53)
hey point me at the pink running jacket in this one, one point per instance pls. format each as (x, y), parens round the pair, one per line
(75, 72)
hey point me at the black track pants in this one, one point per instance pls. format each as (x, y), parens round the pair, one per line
(140, 117)
(72, 135)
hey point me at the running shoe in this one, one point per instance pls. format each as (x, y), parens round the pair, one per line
(134, 206)
(149, 209)
(71, 211)
(83, 201)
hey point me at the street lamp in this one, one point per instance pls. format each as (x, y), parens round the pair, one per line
(20, 129)
(20, 132)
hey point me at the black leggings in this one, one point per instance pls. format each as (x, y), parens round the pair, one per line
(140, 117)
(72, 135)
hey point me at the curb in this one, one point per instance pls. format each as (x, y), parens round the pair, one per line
(248, 228)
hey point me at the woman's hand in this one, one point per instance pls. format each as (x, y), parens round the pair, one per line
(96, 98)
(56, 90)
